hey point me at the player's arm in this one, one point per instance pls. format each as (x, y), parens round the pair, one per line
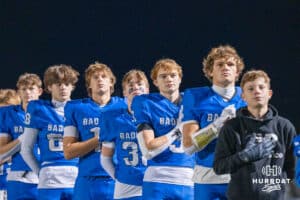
(9, 147)
(74, 148)
(27, 148)
(150, 145)
(204, 136)
(106, 158)
(189, 128)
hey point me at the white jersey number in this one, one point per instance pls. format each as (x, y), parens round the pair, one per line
(132, 148)
(55, 142)
(96, 132)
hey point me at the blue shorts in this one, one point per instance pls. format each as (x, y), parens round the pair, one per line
(92, 188)
(20, 190)
(154, 191)
(210, 191)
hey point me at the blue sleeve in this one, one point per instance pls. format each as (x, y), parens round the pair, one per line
(3, 127)
(140, 110)
(33, 117)
(188, 105)
(69, 114)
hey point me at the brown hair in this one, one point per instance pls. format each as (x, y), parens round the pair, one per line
(219, 52)
(140, 75)
(166, 64)
(253, 75)
(28, 79)
(98, 67)
(60, 74)
(9, 97)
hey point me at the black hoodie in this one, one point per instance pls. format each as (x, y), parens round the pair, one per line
(263, 179)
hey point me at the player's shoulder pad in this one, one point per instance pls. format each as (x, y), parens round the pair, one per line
(113, 112)
(36, 104)
(76, 102)
(197, 92)
(141, 98)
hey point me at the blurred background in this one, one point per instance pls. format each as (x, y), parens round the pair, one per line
(128, 34)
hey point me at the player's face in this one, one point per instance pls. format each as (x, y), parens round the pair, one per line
(30, 92)
(224, 72)
(167, 81)
(135, 87)
(61, 91)
(100, 83)
(257, 93)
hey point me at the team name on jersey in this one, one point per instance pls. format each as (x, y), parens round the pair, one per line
(167, 121)
(212, 117)
(55, 128)
(87, 121)
(18, 129)
(128, 135)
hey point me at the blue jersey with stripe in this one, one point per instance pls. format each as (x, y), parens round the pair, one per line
(161, 114)
(84, 115)
(41, 115)
(118, 126)
(204, 105)
(12, 123)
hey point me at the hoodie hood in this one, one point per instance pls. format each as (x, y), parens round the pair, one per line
(271, 113)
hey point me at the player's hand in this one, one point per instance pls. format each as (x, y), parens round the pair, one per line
(257, 150)
(227, 113)
(21, 138)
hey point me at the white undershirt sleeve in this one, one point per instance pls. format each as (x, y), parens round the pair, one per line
(29, 139)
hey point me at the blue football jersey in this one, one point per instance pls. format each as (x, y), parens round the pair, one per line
(204, 105)
(118, 126)
(5, 167)
(42, 116)
(12, 123)
(161, 114)
(84, 115)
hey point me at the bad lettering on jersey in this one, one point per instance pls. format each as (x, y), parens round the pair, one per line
(211, 117)
(128, 135)
(88, 121)
(166, 121)
(18, 129)
(55, 128)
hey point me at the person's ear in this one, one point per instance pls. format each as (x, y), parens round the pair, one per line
(270, 93)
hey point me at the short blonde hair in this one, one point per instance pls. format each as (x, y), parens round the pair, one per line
(28, 79)
(219, 52)
(98, 67)
(253, 75)
(165, 64)
(9, 97)
(140, 75)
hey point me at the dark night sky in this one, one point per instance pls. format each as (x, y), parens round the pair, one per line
(134, 34)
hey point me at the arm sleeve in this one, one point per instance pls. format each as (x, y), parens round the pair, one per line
(141, 111)
(70, 129)
(30, 137)
(108, 165)
(226, 158)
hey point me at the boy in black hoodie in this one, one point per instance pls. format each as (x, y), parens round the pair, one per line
(256, 146)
